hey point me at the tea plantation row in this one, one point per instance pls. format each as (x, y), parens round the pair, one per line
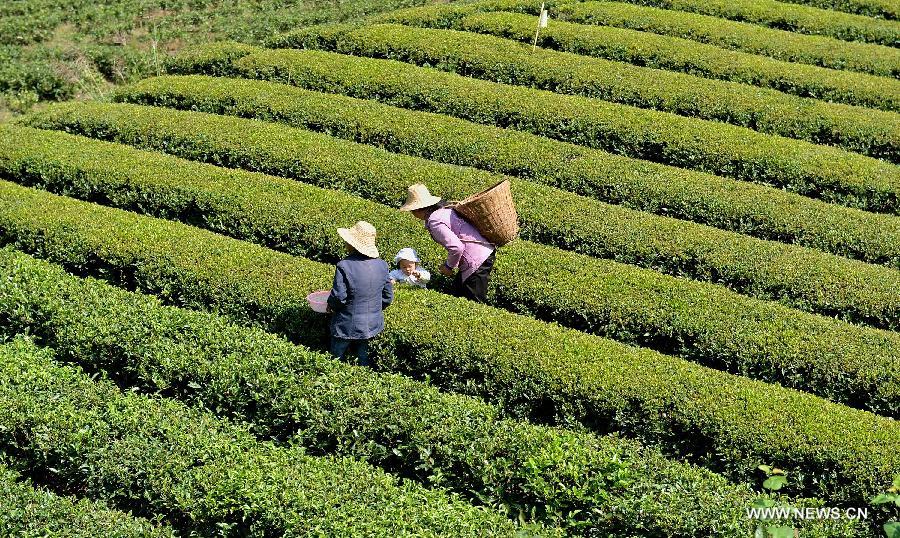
(532, 368)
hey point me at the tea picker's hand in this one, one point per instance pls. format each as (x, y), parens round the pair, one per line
(446, 271)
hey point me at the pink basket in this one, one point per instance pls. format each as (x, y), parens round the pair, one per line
(318, 300)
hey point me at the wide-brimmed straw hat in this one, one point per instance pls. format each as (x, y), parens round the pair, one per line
(361, 237)
(419, 198)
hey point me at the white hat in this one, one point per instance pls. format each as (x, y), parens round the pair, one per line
(408, 254)
(361, 237)
(418, 197)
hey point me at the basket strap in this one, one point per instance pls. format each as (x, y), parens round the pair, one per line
(486, 243)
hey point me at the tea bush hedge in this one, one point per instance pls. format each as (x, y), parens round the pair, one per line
(586, 483)
(794, 18)
(804, 278)
(701, 322)
(818, 171)
(779, 44)
(532, 369)
(32, 512)
(213, 58)
(207, 476)
(863, 130)
(723, 203)
(675, 54)
(870, 8)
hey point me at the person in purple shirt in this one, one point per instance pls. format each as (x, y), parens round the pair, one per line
(359, 294)
(467, 250)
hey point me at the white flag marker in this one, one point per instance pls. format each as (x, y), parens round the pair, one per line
(542, 23)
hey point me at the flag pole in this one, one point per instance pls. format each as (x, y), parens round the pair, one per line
(538, 30)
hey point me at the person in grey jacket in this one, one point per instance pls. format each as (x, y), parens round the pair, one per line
(359, 294)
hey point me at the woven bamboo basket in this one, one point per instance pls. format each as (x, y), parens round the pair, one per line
(493, 213)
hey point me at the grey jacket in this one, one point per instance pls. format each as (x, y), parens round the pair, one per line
(360, 292)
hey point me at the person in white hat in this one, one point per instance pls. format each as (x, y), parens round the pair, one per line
(360, 293)
(408, 270)
(467, 250)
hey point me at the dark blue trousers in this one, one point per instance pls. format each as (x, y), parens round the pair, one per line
(340, 348)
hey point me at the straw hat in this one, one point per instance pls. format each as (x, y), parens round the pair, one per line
(418, 198)
(361, 237)
(408, 254)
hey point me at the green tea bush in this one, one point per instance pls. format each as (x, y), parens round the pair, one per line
(870, 132)
(30, 512)
(701, 322)
(31, 71)
(727, 204)
(676, 54)
(779, 44)
(23, 26)
(870, 8)
(823, 172)
(533, 369)
(804, 278)
(794, 18)
(585, 483)
(207, 476)
(212, 58)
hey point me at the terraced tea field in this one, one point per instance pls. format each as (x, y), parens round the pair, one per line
(700, 318)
